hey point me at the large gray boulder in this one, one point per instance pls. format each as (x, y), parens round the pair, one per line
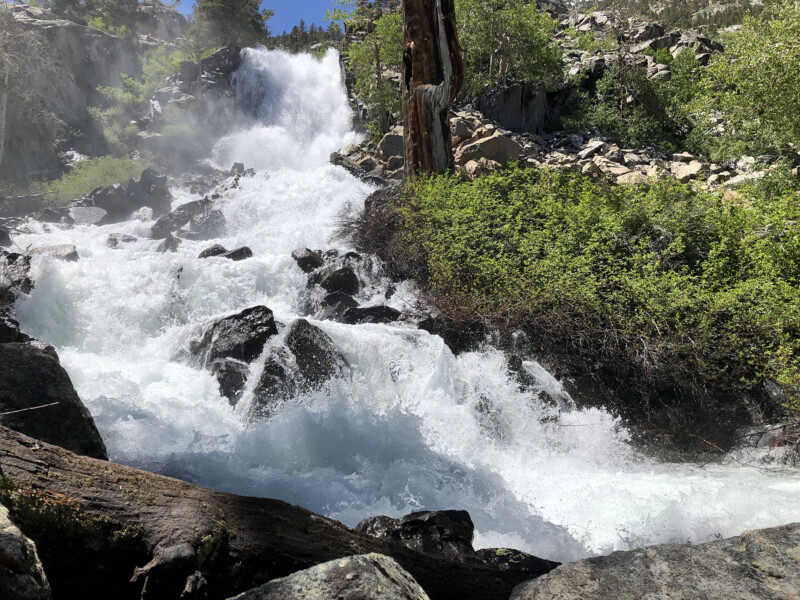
(363, 577)
(21, 574)
(31, 377)
(758, 565)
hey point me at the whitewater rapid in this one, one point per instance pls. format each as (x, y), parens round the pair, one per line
(416, 428)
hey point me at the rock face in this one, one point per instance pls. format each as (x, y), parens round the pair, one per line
(31, 377)
(754, 566)
(518, 107)
(21, 574)
(363, 577)
(86, 58)
(241, 336)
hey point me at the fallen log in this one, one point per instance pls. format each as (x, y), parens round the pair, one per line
(105, 530)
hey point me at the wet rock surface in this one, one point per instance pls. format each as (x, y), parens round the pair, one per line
(317, 358)
(22, 576)
(241, 336)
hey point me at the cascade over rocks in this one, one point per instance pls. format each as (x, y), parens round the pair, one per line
(115, 239)
(22, 576)
(121, 201)
(179, 217)
(364, 577)
(169, 244)
(32, 377)
(241, 336)
(206, 225)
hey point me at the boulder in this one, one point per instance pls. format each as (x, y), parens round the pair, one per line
(169, 244)
(53, 215)
(276, 384)
(215, 250)
(241, 336)
(335, 298)
(684, 172)
(66, 252)
(307, 260)
(232, 376)
(592, 148)
(5, 237)
(21, 573)
(10, 332)
(149, 189)
(115, 239)
(362, 577)
(496, 147)
(31, 378)
(87, 215)
(179, 217)
(757, 564)
(519, 107)
(317, 358)
(507, 559)
(207, 225)
(371, 314)
(342, 280)
(444, 533)
(391, 144)
(632, 178)
(14, 277)
(239, 254)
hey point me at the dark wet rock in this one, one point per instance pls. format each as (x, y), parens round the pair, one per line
(342, 280)
(507, 559)
(237, 168)
(335, 298)
(317, 357)
(14, 277)
(215, 250)
(22, 576)
(179, 217)
(52, 215)
(31, 377)
(276, 384)
(66, 252)
(307, 260)
(756, 564)
(151, 190)
(10, 332)
(364, 577)
(371, 314)
(208, 225)
(169, 244)
(239, 254)
(334, 312)
(5, 237)
(241, 336)
(232, 376)
(458, 337)
(443, 533)
(115, 239)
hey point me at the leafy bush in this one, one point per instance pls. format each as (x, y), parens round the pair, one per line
(664, 287)
(90, 174)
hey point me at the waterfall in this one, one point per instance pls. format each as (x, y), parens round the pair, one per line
(415, 428)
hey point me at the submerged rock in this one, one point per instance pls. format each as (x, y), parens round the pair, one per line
(215, 250)
(241, 336)
(179, 217)
(207, 225)
(30, 378)
(21, 573)
(66, 252)
(362, 577)
(232, 376)
(371, 314)
(115, 239)
(169, 244)
(239, 254)
(276, 384)
(757, 564)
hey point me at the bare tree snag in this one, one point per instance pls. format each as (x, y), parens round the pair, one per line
(105, 531)
(433, 73)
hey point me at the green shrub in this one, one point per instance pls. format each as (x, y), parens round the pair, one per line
(89, 174)
(692, 291)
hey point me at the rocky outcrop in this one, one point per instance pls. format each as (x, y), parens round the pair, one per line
(21, 573)
(85, 58)
(756, 565)
(157, 22)
(33, 378)
(364, 577)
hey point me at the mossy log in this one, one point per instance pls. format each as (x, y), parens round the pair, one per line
(105, 530)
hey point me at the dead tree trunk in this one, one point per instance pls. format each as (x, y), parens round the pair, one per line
(433, 72)
(109, 531)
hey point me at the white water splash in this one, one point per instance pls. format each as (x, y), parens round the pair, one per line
(416, 428)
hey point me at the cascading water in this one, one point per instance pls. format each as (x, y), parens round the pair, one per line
(416, 428)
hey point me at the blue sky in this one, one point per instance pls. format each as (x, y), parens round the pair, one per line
(287, 12)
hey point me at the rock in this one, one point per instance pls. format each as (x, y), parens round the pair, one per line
(31, 377)
(51, 215)
(316, 356)
(151, 190)
(683, 157)
(276, 384)
(179, 217)
(115, 239)
(519, 107)
(341, 280)
(21, 573)
(632, 178)
(232, 376)
(684, 172)
(87, 215)
(507, 559)
(66, 252)
(15, 280)
(496, 147)
(9, 331)
(241, 336)
(239, 254)
(215, 250)
(391, 144)
(208, 225)
(237, 168)
(610, 167)
(444, 533)
(592, 148)
(335, 298)
(743, 178)
(169, 244)
(371, 314)
(5, 237)
(363, 577)
(757, 564)
(307, 260)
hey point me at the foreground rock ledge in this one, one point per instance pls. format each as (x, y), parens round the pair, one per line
(757, 565)
(106, 531)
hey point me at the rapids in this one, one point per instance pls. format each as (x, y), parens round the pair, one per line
(416, 428)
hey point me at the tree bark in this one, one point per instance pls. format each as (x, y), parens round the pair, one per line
(433, 72)
(109, 531)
